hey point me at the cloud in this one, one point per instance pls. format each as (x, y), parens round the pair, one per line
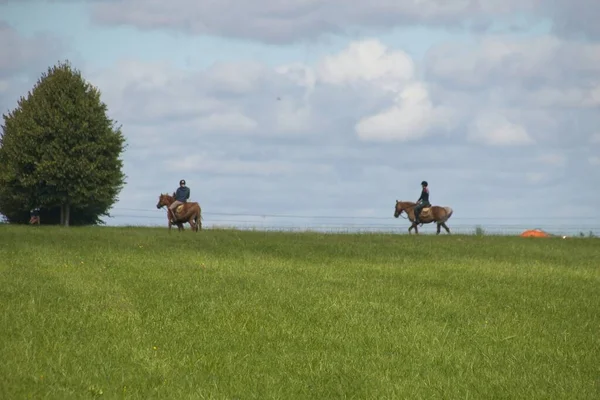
(22, 60)
(413, 116)
(544, 86)
(206, 163)
(573, 19)
(553, 71)
(368, 61)
(26, 54)
(365, 93)
(288, 21)
(360, 127)
(284, 22)
(493, 128)
(553, 159)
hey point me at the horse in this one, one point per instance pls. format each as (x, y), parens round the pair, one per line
(437, 214)
(186, 212)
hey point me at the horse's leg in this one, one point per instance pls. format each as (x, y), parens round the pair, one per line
(192, 224)
(438, 228)
(413, 226)
(446, 227)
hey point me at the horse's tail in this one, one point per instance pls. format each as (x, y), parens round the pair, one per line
(449, 212)
(198, 216)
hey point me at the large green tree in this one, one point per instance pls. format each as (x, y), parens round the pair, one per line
(59, 151)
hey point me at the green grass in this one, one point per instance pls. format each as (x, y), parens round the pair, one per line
(138, 313)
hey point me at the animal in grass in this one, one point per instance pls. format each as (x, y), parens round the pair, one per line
(422, 212)
(182, 212)
(34, 216)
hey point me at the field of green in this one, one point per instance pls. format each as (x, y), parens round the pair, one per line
(139, 313)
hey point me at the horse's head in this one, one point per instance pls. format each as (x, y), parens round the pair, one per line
(398, 210)
(402, 206)
(163, 200)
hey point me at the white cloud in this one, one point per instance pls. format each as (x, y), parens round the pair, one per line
(205, 163)
(290, 118)
(235, 77)
(412, 117)
(227, 122)
(494, 129)
(536, 177)
(553, 159)
(548, 71)
(368, 61)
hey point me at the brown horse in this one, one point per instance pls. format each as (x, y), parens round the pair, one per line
(187, 212)
(436, 214)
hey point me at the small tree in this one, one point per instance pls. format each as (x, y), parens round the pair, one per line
(59, 149)
(479, 231)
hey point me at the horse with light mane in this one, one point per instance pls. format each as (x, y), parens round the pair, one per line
(437, 214)
(189, 212)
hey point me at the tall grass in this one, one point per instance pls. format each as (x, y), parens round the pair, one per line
(139, 313)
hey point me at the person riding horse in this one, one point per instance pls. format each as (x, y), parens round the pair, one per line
(181, 196)
(422, 202)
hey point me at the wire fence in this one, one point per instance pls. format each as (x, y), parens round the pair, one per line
(571, 226)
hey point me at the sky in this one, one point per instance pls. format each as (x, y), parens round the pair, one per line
(321, 114)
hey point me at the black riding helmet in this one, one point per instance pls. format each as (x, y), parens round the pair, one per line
(424, 183)
(182, 182)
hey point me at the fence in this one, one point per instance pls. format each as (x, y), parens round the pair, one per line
(337, 223)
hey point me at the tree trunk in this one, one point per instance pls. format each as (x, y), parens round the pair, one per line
(67, 214)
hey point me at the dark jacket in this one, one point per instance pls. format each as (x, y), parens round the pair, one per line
(182, 194)
(424, 196)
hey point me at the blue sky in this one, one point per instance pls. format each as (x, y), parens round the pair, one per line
(315, 108)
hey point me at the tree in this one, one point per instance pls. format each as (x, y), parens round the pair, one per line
(59, 151)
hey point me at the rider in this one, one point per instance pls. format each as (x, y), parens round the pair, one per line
(181, 196)
(422, 202)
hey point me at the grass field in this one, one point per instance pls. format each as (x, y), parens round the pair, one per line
(138, 313)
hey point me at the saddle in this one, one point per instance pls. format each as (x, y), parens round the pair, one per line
(177, 212)
(425, 212)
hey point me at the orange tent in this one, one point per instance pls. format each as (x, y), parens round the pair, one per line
(534, 233)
